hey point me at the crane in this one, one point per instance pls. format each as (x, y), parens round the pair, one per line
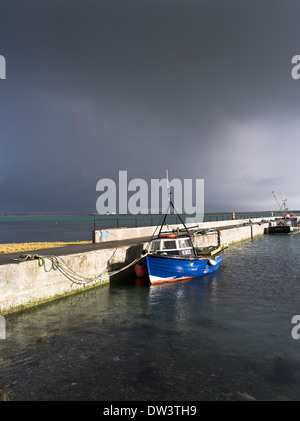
(283, 204)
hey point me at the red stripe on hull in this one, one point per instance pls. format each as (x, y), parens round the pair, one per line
(164, 281)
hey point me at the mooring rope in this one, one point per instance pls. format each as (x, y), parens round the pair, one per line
(129, 265)
(57, 263)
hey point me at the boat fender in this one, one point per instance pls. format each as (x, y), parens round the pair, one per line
(212, 262)
(139, 270)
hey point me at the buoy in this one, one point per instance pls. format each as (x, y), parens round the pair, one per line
(233, 215)
(139, 270)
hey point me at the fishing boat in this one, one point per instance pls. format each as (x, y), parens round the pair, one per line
(173, 255)
(278, 227)
(285, 224)
(173, 258)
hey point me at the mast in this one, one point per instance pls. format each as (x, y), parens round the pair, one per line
(175, 211)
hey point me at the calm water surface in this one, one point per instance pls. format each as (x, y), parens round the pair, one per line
(31, 228)
(213, 338)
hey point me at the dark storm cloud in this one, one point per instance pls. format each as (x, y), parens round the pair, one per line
(202, 88)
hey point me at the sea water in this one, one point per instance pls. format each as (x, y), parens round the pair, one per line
(226, 336)
(41, 228)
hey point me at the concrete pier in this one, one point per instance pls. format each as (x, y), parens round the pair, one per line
(27, 284)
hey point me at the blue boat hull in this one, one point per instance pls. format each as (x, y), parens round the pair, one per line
(169, 269)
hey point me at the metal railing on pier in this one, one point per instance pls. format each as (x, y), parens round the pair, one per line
(144, 220)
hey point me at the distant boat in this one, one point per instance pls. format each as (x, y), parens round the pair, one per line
(284, 224)
(278, 229)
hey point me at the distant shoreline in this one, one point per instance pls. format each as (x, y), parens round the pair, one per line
(138, 215)
(48, 214)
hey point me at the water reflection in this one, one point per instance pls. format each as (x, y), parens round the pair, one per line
(211, 338)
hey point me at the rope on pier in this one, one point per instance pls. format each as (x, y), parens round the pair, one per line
(57, 263)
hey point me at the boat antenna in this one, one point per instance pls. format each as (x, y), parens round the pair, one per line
(168, 185)
(285, 209)
(175, 211)
(169, 203)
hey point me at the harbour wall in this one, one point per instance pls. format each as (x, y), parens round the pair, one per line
(27, 284)
(30, 283)
(235, 233)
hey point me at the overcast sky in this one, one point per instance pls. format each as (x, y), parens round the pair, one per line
(201, 88)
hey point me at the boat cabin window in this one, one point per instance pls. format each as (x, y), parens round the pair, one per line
(169, 245)
(179, 246)
(183, 243)
(155, 246)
